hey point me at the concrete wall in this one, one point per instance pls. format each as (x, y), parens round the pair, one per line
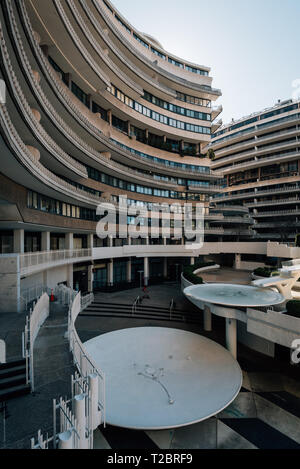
(9, 283)
(254, 342)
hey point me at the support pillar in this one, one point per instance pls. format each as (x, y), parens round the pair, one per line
(19, 236)
(45, 241)
(79, 411)
(90, 278)
(231, 336)
(192, 261)
(146, 271)
(129, 273)
(165, 267)
(90, 241)
(237, 262)
(69, 241)
(110, 273)
(207, 319)
(70, 276)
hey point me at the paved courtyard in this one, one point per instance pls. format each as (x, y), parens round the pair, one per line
(266, 414)
(240, 277)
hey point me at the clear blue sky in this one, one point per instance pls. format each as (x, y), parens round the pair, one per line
(252, 46)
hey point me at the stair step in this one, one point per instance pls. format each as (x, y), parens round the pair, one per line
(192, 320)
(142, 307)
(122, 305)
(4, 366)
(14, 391)
(12, 381)
(14, 371)
(129, 311)
(141, 310)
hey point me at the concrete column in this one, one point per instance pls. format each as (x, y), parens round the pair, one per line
(95, 415)
(69, 240)
(90, 278)
(146, 271)
(110, 273)
(70, 276)
(109, 117)
(45, 241)
(65, 440)
(237, 262)
(19, 236)
(129, 274)
(79, 411)
(10, 299)
(90, 241)
(2, 351)
(165, 267)
(207, 319)
(231, 336)
(192, 261)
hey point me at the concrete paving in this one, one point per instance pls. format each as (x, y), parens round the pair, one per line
(53, 369)
(268, 405)
(240, 277)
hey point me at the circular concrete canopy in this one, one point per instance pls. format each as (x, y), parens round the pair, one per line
(160, 378)
(235, 296)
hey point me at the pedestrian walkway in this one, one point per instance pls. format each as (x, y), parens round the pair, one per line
(53, 369)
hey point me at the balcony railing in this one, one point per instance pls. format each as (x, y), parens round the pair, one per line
(34, 260)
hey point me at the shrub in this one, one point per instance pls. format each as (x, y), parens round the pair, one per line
(188, 272)
(264, 272)
(293, 308)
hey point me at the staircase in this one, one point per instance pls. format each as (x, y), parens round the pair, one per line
(140, 311)
(13, 380)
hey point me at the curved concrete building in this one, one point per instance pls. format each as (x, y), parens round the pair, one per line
(94, 110)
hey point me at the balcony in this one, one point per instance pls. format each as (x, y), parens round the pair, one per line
(254, 130)
(255, 141)
(34, 262)
(282, 213)
(291, 200)
(216, 111)
(255, 152)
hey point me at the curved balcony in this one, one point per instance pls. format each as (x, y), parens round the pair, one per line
(85, 54)
(36, 170)
(36, 128)
(111, 46)
(153, 65)
(70, 104)
(32, 263)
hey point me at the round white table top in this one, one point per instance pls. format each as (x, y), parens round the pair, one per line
(159, 378)
(234, 296)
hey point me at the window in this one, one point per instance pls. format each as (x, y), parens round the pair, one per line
(174, 62)
(80, 94)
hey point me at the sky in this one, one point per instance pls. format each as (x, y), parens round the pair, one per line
(252, 46)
